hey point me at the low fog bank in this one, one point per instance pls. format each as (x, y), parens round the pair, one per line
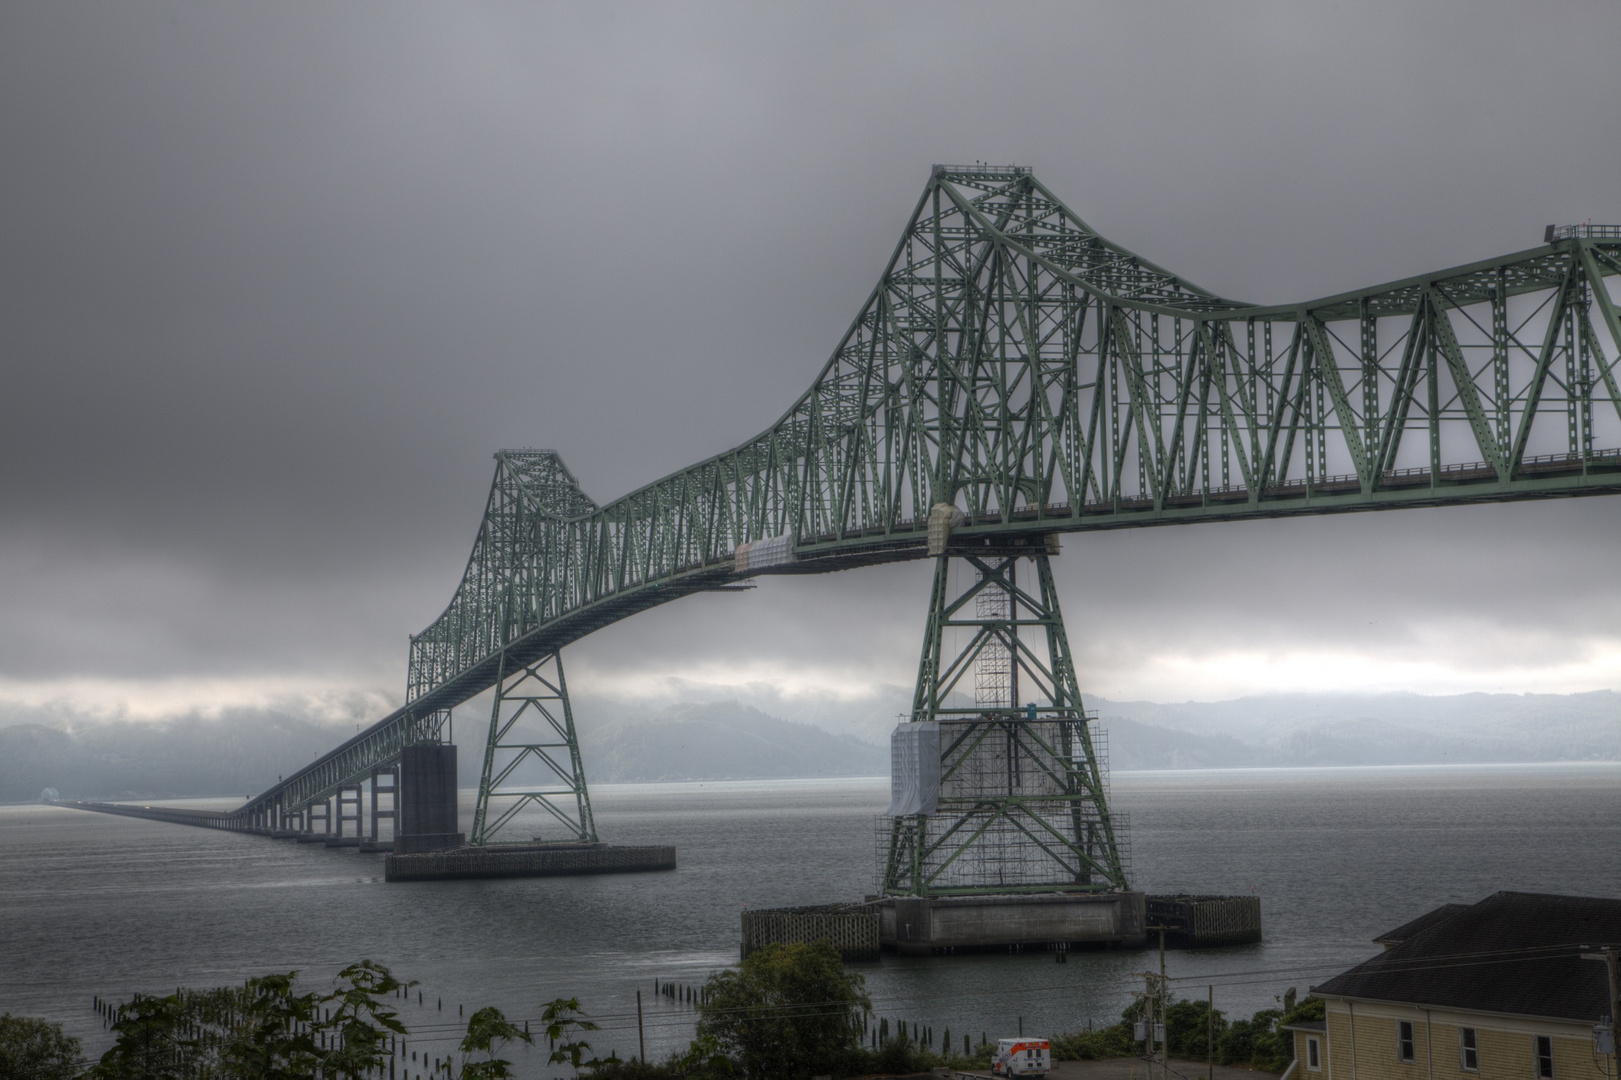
(237, 753)
(1363, 729)
(243, 752)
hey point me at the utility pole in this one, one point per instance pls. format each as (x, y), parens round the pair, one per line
(1210, 1032)
(1148, 1021)
(1164, 1028)
(1612, 962)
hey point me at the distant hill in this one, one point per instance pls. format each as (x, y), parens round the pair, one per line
(722, 741)
(1132, 746)
(240, 753)
(243, 752)
(1365, 729)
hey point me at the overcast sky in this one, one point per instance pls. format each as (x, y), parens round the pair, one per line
(277, 279)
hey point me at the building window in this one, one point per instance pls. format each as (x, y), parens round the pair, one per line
(1312, 1061)
(1544, 1057)
(1468, 1050)
(1404, 1041)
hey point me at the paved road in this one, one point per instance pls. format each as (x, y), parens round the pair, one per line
(1134, 1069)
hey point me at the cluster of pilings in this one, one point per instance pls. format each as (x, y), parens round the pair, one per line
(210, 1018)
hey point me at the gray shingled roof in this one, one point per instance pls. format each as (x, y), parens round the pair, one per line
(1419, 925)
(1517, 953)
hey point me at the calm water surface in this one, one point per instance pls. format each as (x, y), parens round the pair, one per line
(91, 904)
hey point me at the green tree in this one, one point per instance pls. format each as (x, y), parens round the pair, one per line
(1275, 1048)
(361, 1020)
(273, 1037)
(262, 1030)
(152, 1040)
(487, 1030)
(37, 1049)
(1252, 1042)
(1188, 1026)
(1309, 1009)
(1114, 1041)
(787, 1012)
(704, 1060)
(564, 1025)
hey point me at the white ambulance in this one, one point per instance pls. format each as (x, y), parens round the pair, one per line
(1022, 1057)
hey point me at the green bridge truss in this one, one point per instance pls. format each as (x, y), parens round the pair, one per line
(1028, 377)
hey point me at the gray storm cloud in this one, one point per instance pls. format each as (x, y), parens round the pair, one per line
(275, 280)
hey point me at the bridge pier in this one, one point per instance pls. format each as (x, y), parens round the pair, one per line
(323, 811)
(352, 798)
(284, 826)
(425, 803)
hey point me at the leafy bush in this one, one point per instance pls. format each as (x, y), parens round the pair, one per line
(1110, 1042)
(1312, 1008)
(787, 1012)
(37, 1049)
(1256, 1042)
(261, 1028)
(899, 1056)
(1188, 1027)
(264, 1029)
(702, 1060)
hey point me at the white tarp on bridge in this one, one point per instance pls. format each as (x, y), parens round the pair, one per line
(914, 768)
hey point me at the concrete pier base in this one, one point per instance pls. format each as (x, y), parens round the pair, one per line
(1051, 922)
(427, 800)
(852, 929)
(369, 847)
(525, 860)
(922, 926)
(285, 834)
(312, 838)
(1200, 922)
(343, 841)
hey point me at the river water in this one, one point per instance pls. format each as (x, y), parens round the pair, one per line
(92, 904)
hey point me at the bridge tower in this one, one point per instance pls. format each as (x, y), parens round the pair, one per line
(531, 756)
(999, 780)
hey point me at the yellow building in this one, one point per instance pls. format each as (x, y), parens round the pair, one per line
(1498, 990)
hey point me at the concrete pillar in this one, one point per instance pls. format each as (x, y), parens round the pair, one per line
(374, 806)
(425, 799)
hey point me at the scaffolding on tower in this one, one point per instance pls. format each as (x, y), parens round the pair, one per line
(1006, 792)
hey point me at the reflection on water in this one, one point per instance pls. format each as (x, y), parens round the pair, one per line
(93, 904)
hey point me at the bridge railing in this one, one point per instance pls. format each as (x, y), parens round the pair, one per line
(1583, 232)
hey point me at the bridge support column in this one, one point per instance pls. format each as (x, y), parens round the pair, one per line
(532, 756)
(316, 812)
(393, 793)
(426, 803)
(350, 803)
(1008, 794)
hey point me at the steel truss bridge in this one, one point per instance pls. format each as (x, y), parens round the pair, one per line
(1014, 376)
